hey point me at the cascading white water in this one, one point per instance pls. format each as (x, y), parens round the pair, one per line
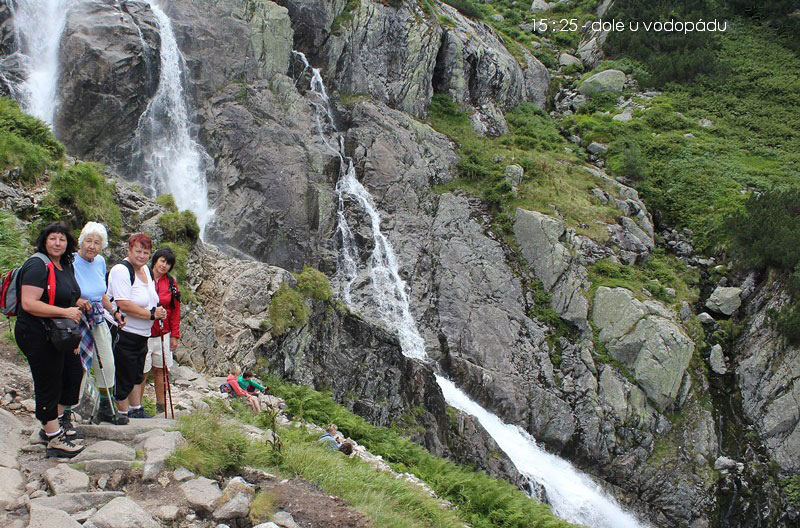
(573, 496)
(172, 161)
(39, 25)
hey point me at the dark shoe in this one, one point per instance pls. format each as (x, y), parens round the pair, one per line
(106, 414)
(159, 408)
(66, 424)
(138, 413)
(62, 447)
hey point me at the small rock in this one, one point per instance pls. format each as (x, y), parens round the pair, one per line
(14, 406)
(63, 479)
(724, 462)
(7, 460)
(12, 486)
(168, 512)
(705, 318)
(267, 525)
(191, 517)
(625, 116)
(716, 360)
(685, 311)
(284, 520)
(565, 59)
(598, 149)
(75, 502)
(497, 17)
(96, 467)
(725, 300)
(670, 291)
(102, 481)
(43, 517)
(705, 123)
(83, 516)
(689, 135)
(38, 493)
(106, 450)
(182, 474)
(201, 493)
(33, 448)
(121, 512)
(29, 405)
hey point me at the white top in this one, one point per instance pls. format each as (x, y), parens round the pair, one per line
(141, 293)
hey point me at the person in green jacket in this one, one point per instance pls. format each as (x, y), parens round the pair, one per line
(248, 384)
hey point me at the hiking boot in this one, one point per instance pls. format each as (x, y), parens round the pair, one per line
(62, 447)
(138, 413)
(160, 408)
(106, 414)
(66, 424)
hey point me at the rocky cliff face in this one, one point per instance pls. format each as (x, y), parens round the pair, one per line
(629, 406)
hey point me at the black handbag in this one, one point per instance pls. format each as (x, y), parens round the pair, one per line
(64, 334)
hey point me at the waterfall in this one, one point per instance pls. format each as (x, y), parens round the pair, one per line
(39, 25)
(171, 160)
(573, 496)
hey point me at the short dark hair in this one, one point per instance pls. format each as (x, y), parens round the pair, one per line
(168, 255)
(247, 374)
(346, 448)
(58, 227)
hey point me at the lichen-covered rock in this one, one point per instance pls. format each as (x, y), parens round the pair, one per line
(607, 81)
(121, 512)
(386, 51)
(767, 372)
(725, 300)
(652, 346)
(542, 241)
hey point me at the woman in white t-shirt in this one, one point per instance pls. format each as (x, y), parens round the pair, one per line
(131, 287)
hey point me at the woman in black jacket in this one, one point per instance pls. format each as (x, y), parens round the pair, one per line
(56, 375)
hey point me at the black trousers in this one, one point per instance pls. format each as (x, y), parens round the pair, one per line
(129, 355)
(56, 375)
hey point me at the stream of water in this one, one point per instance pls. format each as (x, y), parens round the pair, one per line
(573, 495)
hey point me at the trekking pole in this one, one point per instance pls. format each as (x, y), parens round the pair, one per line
(167, 388)
(108, 390)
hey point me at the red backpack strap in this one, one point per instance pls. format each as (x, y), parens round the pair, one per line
(51, 277)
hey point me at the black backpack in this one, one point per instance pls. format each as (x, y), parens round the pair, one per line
(173, 288)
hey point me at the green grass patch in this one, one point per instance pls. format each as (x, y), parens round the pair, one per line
(13, 249)
(167, 201)
(80, 194)
(288, 310)
(179, 226)
(481, 501)
(791, 490)
(343, 19)
(27, 143)
(660, 272)
(290, 307)
(553, 184)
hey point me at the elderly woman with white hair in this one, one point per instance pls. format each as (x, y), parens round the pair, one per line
(90, 272)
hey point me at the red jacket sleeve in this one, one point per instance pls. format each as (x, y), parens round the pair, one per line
(233, 382)
(174, 317)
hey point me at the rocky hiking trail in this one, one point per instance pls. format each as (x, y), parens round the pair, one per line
(122, 478)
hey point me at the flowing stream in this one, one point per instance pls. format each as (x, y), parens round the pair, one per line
(171, 160)
(573, 495)
(39, 25)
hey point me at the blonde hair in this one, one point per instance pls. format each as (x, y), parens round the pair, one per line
(236, 370)
(94, 228)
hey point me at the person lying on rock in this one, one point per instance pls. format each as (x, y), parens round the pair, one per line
(90, 272)
(247, 383)
(57, 374)
(130, 286)
(167, 331)
(233, 381)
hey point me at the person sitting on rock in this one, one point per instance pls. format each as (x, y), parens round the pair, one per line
(250, 385)
(330, 438)
(233, 381)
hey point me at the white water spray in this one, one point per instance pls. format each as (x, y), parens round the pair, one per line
(573, 496)
(39, 25)
(172, 161)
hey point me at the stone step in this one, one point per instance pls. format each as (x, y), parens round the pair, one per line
(125, 432)
(77, 502)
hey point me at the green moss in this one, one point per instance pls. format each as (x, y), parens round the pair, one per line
(791, 490)
(26, 127)
(168, 202)
(314, 284)
(262, 507)
(80, 194)
(179, 226)
(288, 310)
(343, 19)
